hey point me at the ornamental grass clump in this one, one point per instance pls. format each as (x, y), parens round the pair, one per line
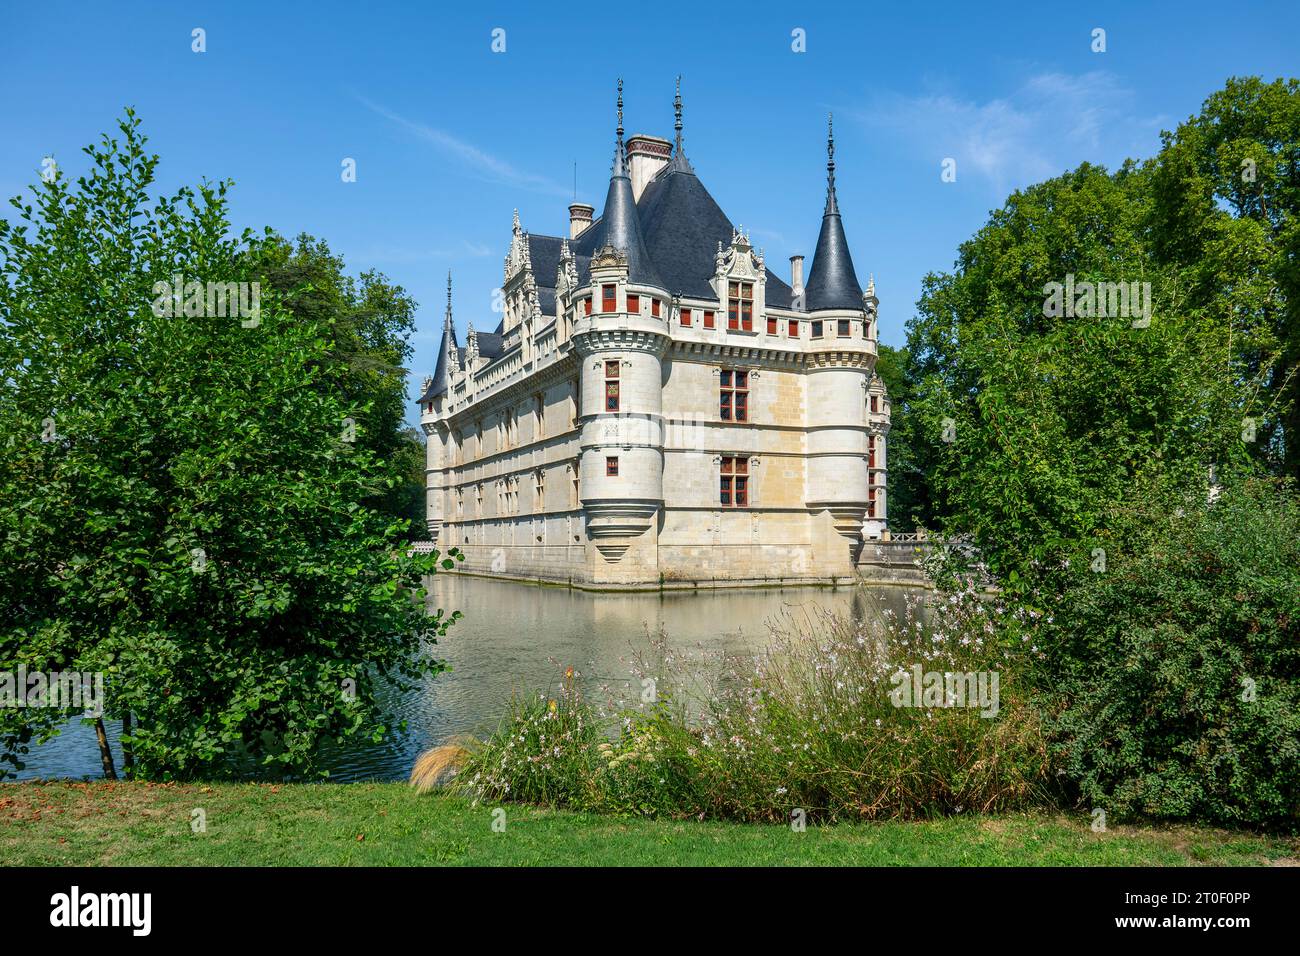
(841, 719)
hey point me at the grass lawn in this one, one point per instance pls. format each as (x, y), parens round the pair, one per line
(364, 824)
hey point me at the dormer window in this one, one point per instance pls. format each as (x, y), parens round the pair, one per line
(740, 306)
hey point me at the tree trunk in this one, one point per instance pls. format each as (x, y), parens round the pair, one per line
(105, 754)
(128, 762)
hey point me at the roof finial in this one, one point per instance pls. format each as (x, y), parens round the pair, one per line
(447, 322)
(620, 152)
(831, 205)
(679, 161)
(677, 110)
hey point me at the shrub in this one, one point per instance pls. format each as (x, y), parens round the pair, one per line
(1179, 666)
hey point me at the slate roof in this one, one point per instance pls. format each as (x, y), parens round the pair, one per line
(682, 225)
(832, 283)
(438, 384)
(489, 347)
(544, 254)
(671, 239)
(620, 226)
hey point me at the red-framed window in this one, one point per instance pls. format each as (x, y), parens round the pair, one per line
(708, 319)
(634, 303)
(871, 502)
(875, 403)
(607, 298)
(871, 451)
(733, 398)
(843, 328)
(654, 308)
(586, 306)
(771, 325)
(611, 385)
(685, 317)
(734, 482)
(611, 466)
(793, 331)
(740, 306)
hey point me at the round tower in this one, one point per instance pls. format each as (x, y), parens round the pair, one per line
(434, 403)
(620, 339)
(840, 368)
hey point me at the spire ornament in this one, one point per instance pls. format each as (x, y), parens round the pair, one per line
(620, 151)
(679, 162)
(677, 111)
(832, 205)
(446, 324)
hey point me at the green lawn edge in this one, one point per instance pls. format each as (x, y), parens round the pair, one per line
(387, 824)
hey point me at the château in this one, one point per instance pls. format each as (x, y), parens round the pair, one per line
(657, 407)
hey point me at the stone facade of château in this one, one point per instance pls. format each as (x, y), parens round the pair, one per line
(657, 407)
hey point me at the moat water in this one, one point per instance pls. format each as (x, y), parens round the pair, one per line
(518, 639)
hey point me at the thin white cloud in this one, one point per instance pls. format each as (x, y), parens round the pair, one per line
(478, 163)
(1051, 123)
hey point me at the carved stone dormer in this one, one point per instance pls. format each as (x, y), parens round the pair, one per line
(518, 258)
(870, 305)
(566, 273)
(608, 265)
(740, 262)
(471, 348)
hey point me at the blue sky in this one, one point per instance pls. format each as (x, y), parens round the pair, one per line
(450, 137)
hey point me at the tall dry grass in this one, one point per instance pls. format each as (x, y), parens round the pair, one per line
(808, 726)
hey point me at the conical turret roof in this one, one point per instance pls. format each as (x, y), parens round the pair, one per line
(832, 283)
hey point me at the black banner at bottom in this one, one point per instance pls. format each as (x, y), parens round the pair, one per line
(334, 905)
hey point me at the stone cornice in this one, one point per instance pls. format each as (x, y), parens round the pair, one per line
(593, 338)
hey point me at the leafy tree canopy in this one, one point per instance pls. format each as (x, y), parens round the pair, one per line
(186, 495)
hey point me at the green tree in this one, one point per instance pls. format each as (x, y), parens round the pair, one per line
(910, 503)
(369, 321)
(182, 501)
(1226, 215)
(1036, 420)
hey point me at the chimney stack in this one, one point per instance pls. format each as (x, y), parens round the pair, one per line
(796, 275)
(579, 218)
(646, 155)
